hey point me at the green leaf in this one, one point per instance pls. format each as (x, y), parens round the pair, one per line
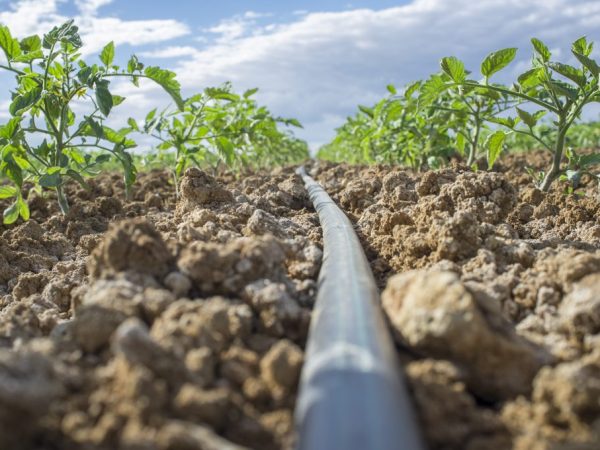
(66, 33)
(52, 170)
(541, 49)
(134, 65)
(75, 155)
(496, 61)
(589, 160)
(488, 93)
(392, 89)
(11, 214)
(117, 100)
(108, 54)
(588, 63)
(411, 89)
(150, 115)
(581, 46)
(8, 192)
(293, 122)
(95, 129)
(454, 68)
(9, 45)
(29, 57)
(23, 208)
(460, 143)
(539, 114)
(494, 144)
(528, 119)
(24, 101)
(366, 110)
(31, 44)
(221, 94)
(104, 98)
(133, 124)
(164, 146)
(431, 90)
(564, 90)
(84, 74)
(77, 177)
(226, 149)
(166, 79)
(129, 170)
(21, 162)
(14, 173)
(120, 138)
(9, 130)
(508, 122)
(250, 92)
(569, 72)
(531, 78)
(50, 180)
(100, 159)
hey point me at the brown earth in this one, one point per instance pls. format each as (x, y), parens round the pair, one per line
(156, 323)
(492, 290)
(180, 324)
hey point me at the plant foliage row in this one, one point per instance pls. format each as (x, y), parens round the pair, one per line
(47, 143)
(451, 112)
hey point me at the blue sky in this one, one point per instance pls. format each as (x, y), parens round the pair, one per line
(205, 13)
(313, 60)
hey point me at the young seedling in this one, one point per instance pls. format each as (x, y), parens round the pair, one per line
(395, 130)
(580, 166)
(43, 143)
(472, 107)
(557, 88)
(219, 126)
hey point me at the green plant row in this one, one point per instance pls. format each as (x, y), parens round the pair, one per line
(451, 113)
(46, 144)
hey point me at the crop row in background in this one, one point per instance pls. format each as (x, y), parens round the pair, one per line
(46, 144)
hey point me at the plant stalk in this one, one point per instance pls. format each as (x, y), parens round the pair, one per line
(556, 160)
(62, 199)
(473, 150)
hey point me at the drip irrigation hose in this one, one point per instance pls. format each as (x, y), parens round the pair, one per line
(352, 393)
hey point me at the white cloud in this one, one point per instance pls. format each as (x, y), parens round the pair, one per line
(95, 32)
(256, 15)
(26, 17)
(237, 27)
(170, 52)
(322, 65)
(90, 7)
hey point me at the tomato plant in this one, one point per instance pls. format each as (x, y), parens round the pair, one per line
(557, 88)
(454, 112)
(398, 129)
(43, 142)
(220, 126)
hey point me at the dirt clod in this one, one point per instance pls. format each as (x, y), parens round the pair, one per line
(436, 315)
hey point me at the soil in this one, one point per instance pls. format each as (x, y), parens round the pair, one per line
(492, 291)
(158, 323)
(163, 323)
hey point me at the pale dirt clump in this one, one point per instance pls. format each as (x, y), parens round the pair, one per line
(495, 310)
(158, 324)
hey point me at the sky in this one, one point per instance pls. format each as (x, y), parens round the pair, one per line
(312, 60)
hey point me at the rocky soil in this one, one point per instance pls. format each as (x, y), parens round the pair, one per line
(163, 323)
(492, 291)
(157, 323)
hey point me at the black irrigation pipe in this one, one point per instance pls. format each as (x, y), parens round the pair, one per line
(352, 394)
